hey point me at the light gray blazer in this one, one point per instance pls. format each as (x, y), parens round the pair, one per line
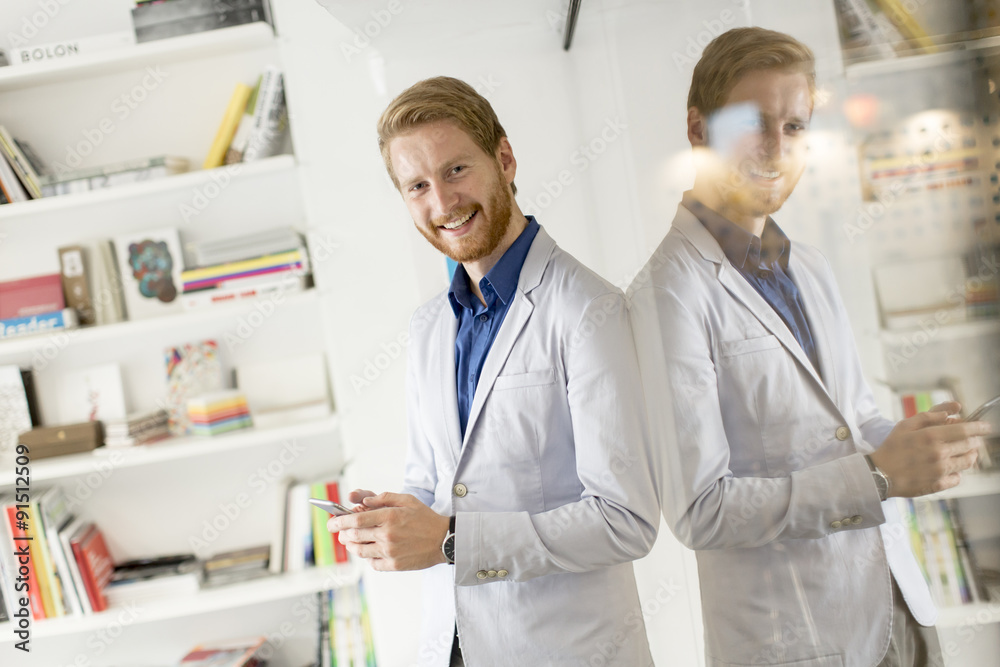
(557, 492)
(764, 474)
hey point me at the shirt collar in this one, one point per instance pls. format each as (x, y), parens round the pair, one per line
(742, 248)
(501, 280)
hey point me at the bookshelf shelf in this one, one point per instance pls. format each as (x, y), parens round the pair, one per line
(950, 54)
(957, 331)
(973, 484)
(130, 328)
(205, 601)
(188, 180)
(61, 467)
(160, 52)
(968, 615)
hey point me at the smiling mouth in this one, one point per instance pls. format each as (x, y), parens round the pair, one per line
(461, 222)
(764, 174)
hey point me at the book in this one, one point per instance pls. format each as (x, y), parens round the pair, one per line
(146, 14)
(170, 163)
(29, 153)
(339, 550)
(108, 287)
(66, 534)
(31, 296)
(284, 383)
(214, 276)
(94, 560)
(233, 653)
(22, 167)
(907, 25)
(75, 283)
(16, 520)
(44, 568)
(15, 412)
(230, 121)
(54, 510)
(94, 393)
(245, 246)
(322, 538)
(192, 369)
(270, 118)
(10, 184)
(38, 324)
(150, 264)
(218, 412)
(245, 289)
(234, 154)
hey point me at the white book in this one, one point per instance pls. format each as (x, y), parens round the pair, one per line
(65, 535)
(12, 187)
(55, 514)
(270, 115)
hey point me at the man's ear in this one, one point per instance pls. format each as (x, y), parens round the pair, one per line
(505, 155)
(697, 128)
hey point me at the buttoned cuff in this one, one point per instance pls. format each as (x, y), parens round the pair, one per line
(470, 568)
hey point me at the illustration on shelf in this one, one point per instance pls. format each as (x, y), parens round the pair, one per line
(151, 264)
(192, 369)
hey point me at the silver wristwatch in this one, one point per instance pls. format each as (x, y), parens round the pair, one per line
(881, 481)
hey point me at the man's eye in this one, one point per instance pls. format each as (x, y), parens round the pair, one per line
(418, 186)
(457, 169)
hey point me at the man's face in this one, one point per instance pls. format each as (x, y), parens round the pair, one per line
(758, 141)
(458, 196)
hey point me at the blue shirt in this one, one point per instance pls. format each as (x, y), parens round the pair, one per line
(478, 324)
(763, 262)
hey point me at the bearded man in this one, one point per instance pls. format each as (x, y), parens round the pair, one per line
(529, 483)
(779, 467)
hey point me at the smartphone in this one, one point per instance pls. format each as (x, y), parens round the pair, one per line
(336, 509)
(978, 413)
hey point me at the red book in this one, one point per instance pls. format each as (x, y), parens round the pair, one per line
(909, 405)
(34, 591)
(94, 561)
(339, 550)
(31, 296)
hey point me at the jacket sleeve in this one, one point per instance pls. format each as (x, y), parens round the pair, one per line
(706, 506)
(617, 516)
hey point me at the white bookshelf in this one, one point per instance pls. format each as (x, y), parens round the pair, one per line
(973, 484)
(173, 449)
(162, 493)
(139, 56)
(132, 328)
(179, 182)
(205, 601)
(949, 54)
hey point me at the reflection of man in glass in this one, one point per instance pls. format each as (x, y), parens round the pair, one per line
(778, 463)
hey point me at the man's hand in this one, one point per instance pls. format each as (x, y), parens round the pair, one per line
(357, 496)
(926, 453)
(397, 532)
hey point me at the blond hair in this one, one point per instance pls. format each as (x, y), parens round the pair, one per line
(440, 98)
(734, 53)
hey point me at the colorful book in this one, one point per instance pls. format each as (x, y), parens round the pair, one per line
(213, 276)
(19, 162)
(38, 324)
(52, 594)
(31, 296)
(66, 533)
(10, 184)
(245, 289)
(230, 121)
(339, 550)
(94, 560)
(322, 539)
(53, 508)
(17, 519)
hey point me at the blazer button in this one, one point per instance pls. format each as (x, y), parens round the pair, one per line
(481, 574)
(842, 433)
(856, 519)
(492, 574)
(835, 525)
(460, 490)
(502, 573)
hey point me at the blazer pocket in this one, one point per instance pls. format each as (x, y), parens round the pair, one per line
(522, 380)
(734, 348)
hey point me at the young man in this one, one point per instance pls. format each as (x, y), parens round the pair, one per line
(778, 464)
(528, 483)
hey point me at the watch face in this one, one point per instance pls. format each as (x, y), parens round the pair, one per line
(449, 548)
(882, 483)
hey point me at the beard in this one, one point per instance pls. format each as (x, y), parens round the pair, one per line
(489, 232)
(747, 198)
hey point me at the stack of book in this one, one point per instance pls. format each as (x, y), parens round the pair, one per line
(233, 653)
(304, 540)
(982, 283)
(159, 19)
(880, 29)
(143, 580)
(137, 429)
(70, 565)
(218, 412)
(34, 306)
(108, 176)
(939, 543)
(235, 566)
(256, 265)
(20, 170)
(255, 123)
(345, 628)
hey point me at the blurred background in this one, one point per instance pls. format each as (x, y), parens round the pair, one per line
(901, 195)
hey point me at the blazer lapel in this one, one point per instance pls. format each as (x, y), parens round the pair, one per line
(517, 316)
(735, 284)
(446, 332)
